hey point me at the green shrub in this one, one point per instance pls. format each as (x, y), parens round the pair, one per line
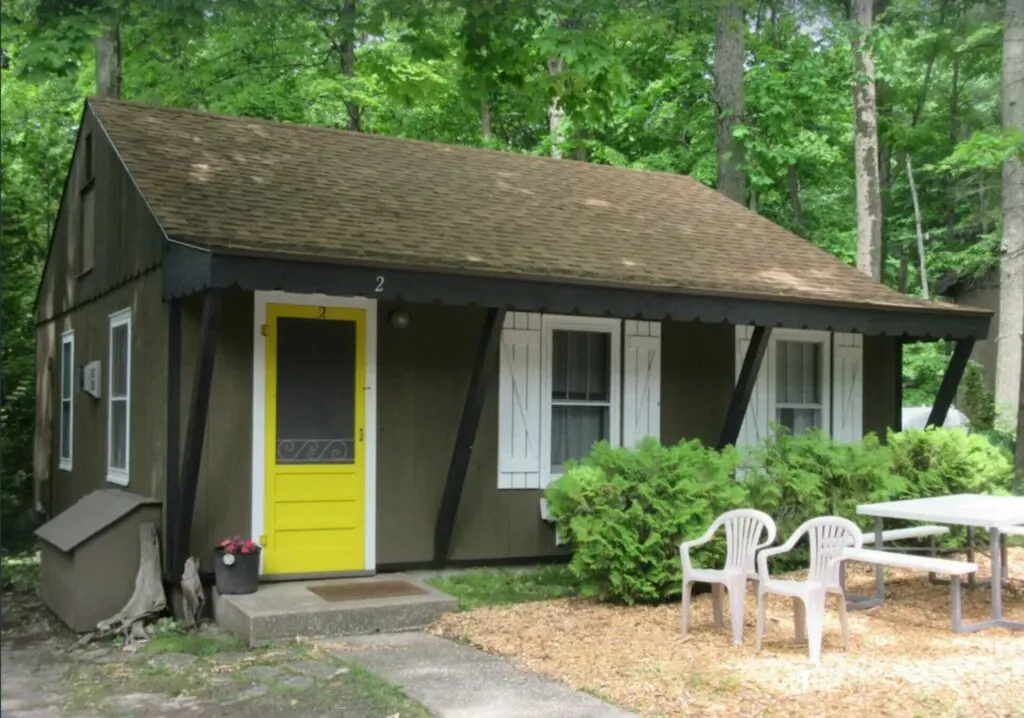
(948, 461)
(935, 462)
(627, 510)
(796, 478)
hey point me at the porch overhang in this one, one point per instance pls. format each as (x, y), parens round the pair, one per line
(189, 269)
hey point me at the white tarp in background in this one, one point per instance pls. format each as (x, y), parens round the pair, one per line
(915, 417)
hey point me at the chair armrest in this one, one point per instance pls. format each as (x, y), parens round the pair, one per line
(685, 546)
(764, 554)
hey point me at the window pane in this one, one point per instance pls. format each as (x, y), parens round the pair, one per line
(119, 360)
(65, 429)
(316, 391)
(798, 372)
(799, 420)
(119, 434)
(580, 366)
(66, 371)
(88, 231)
(574, 430)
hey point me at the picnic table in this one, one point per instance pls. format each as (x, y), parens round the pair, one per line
(982, 511)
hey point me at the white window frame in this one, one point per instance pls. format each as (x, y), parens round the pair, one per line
(806, 336)
(116, 475)
(549, 324)
(67, 351)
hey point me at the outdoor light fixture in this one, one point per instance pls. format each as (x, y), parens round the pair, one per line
(400, 319)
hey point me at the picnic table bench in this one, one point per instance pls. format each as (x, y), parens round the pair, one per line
(933, 565)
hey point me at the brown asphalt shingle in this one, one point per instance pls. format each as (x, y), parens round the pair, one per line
(253, 186)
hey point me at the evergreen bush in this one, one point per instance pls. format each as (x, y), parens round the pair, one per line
(627, 510)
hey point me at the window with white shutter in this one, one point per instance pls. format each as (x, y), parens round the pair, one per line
(793, 387)
(641, 381)
(561, 392)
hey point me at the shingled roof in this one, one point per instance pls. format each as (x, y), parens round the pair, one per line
(247, 186)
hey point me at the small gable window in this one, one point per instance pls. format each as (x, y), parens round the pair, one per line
(86, 230)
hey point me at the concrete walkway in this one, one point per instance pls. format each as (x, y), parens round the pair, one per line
(457, 681)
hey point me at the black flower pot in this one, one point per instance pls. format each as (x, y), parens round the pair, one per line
(241, 573)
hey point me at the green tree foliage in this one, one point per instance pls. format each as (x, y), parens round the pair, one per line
(636, 86)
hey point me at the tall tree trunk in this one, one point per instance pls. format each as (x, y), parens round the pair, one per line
(485, 120)
(729, 100)
(793, 188)
(347, 51)
(1010, 343)
(108, 60)
(869, 200)
(884, 110)
(954, 136)
(917, 227)
(556, 116)
(1019, 458)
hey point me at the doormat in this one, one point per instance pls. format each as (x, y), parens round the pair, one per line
(355, 590)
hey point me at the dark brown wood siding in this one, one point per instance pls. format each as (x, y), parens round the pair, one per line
(127, 250)
(422, 377)
(127, 238)
(882, 384)
(147, 427)
(984, 294)
(697, 379)
(423, 373)
(224, 494)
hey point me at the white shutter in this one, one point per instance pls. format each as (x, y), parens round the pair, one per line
(519, 403)
(641, 396)
(848, 388)
(755, 422)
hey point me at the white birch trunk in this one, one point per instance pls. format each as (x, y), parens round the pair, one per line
(1010, 340)
(556, 116)
(865, 145)
(917, 227)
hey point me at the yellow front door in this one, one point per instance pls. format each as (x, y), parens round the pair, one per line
(315, 514)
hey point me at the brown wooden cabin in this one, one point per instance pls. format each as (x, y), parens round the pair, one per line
(373, 353)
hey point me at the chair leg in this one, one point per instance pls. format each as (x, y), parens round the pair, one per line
(737, 608)
(716, 603)
(687, 593)
(760, 618)
(799, 620)
(844, 622)
(815, 619)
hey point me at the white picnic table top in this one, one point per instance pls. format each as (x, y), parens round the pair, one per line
(980, 510)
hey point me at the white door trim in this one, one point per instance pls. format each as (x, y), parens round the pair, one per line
(259, 386)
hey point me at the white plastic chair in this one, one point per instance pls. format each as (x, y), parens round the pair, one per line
(743, 529)
(828, 536)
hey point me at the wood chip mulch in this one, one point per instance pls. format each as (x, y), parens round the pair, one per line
(904, 659)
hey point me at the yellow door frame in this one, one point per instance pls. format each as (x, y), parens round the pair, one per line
(361, 468)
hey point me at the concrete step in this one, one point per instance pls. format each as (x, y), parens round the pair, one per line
(288, 609)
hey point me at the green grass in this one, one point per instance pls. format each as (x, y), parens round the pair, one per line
(475, 588)
(201, 644)
(380, 696)
(19, 573)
